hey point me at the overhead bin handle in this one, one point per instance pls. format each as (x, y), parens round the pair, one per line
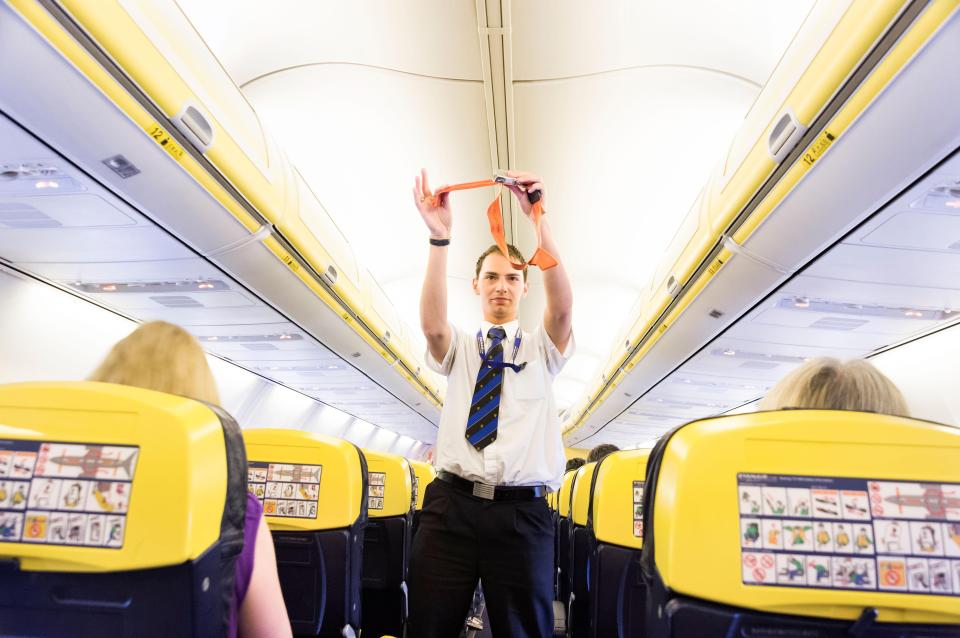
(195, 126)
(784, 135)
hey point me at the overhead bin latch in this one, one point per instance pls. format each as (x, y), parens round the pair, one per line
(195, 126)
(784, 135)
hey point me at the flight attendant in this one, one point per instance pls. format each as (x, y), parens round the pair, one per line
(499, 448)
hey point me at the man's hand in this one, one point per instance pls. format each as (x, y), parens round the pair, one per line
(439, 217)
(527, 182)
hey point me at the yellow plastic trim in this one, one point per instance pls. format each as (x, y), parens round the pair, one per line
(696, 507)
(341, 477)
(582, 481)
(397, 496)
(614, 512)
(425, 474)
(180, 476)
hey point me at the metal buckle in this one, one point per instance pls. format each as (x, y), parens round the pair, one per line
(483, 490)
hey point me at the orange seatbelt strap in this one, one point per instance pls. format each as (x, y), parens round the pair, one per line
(541, 258)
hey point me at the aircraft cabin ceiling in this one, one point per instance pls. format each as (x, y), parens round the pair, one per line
(623, 107)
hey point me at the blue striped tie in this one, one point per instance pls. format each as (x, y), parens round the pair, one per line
(485, 407)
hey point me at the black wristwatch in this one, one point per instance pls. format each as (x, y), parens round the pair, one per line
(439, 242)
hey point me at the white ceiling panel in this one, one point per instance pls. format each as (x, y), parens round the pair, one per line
(359, 137)
(89, 245)
(892, 266)
(645, 143)
(744, 38)
(424, 37)
(918, 230)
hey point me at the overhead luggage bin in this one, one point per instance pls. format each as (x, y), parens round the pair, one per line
(313, 491)
(739, 240)
(386, 545)
(146, 94)
(617, 595)
(803, 521)
(100, 532)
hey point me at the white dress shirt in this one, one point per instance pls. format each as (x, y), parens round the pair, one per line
(528, 449)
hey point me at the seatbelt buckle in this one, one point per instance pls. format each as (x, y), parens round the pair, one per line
(484, 490)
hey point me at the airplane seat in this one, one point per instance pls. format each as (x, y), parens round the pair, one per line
(424, 475)
(615, 520)
(314, 494)
(804, 522)
(563, 538)
(581, 546)
(386, 546)
(102, 532)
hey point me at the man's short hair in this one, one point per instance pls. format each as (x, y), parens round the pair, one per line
(515, 256)
(601, 451)
(574, 463)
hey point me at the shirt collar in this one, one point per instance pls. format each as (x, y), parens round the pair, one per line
(510, 327)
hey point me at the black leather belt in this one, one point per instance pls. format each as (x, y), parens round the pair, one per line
(492, 492)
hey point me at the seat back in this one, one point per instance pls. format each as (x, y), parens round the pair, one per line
(581, 545)
(563, 537)
(105, 528)
(775, 522)
(313, 490)
(615, 522)
(386, 547)
(424, 473)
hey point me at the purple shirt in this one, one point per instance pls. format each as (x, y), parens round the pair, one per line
(244, 565)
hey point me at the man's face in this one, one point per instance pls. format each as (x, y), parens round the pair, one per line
(500, 288)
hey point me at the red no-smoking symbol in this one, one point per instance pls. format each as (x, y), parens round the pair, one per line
(766, 561)
(892, 577)
(759, 573)
(750, 560)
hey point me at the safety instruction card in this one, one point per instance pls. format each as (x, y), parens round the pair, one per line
(285, 489)
(65, 493)
(847, 533)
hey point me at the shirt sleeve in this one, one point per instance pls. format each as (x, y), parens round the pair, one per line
(555, 359)
(444, 366)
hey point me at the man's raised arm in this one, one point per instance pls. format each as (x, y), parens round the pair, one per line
(558, 315)
(433, 297)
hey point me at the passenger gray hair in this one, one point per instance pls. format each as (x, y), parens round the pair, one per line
(829, 384)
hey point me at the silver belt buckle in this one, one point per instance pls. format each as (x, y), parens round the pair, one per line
(483, 490)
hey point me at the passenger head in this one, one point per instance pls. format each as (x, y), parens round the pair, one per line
(830, 384)
(160, 356)
(499, 286)
(574, 463)
(601, 451)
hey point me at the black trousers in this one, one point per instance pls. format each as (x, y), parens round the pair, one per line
(507, 545)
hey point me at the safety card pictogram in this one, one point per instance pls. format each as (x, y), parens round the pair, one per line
(638, 509)
(376, 484)
(65, 493)
(285, 489)
(847, 533)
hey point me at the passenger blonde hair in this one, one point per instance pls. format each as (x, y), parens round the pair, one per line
(160, 356)
(829, 384)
